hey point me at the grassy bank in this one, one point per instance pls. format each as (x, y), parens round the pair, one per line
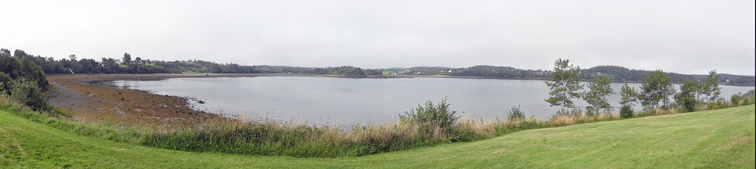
(268, 137)
(721, 138)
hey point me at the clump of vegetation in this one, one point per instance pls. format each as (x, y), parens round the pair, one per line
(626, 111)
(24, 82)
(432, 118)
(515, 114)
(735, 99)
(28, 93)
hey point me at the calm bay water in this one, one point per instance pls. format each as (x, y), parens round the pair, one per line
(324, 100)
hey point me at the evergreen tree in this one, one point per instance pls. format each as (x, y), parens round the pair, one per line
(710, 89)
(689, 91)
(564, 84)
(655, 87)
(629, 95)
(596, 96)
(126, 59)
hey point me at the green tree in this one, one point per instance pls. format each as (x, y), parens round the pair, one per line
(629, 95)
(689, 91)
(710, 89)
(655, 88)
(126, 59)
(564, 84)
(28, 93)
(596, 96)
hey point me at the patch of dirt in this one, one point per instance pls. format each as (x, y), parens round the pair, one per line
(90, 101)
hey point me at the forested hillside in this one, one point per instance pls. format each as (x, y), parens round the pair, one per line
(624, 74)
(136, 65)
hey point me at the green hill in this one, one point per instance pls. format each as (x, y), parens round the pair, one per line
(718, 139)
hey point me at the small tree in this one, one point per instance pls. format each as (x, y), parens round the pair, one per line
(655, 87)
(564, 84)
(596, 96)
(126, 59)
(629, 95)
(689, 91)
(710, 89)
(28, 93)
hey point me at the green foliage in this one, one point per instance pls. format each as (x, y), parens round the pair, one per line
(564, 84)
(28, 93)
(599, 89)
(710, 87)
(629, 95)
(5, 81)
(431, 117)
(348, 71)
(626, 111)
(22, 68)
(126, 59)
(735, 99)
(689, 104)
(515, 114)
(2, 89)
(689, 89)
(487, 71)
(655, 87)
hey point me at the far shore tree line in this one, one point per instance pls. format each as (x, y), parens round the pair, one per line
(656, 92)
(136, 65)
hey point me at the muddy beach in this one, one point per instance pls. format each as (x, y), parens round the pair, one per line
(92, 101)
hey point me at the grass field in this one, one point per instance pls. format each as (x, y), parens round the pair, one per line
(721, 138)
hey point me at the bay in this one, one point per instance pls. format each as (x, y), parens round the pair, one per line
(348, 101)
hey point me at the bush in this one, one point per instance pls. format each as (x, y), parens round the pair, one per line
(28, 93)
(432, 117)
(2, 89)
(5, 80)
(689, 104)
(515, 114)
(735, 99)
(626, 111)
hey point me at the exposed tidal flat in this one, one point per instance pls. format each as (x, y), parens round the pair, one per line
(349, 101)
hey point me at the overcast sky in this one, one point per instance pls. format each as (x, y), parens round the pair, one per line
(689, 37)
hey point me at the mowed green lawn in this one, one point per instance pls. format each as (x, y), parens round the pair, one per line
(717, 139)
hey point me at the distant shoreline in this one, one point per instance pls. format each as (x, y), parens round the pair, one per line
(161, 76)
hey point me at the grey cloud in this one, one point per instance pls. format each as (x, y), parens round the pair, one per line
(678, 36)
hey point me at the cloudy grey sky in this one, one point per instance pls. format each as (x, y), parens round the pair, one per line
(688, 36)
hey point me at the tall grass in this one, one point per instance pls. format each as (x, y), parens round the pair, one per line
(270, 137)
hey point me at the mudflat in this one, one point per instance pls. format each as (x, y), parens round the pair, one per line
(91, 101)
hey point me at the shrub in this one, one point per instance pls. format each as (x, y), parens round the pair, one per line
(689, 104)
(2, 89)
(626, 111)
(5, 80)
(735, 99)
(28, 93)
(431, 117)
(515, 114)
